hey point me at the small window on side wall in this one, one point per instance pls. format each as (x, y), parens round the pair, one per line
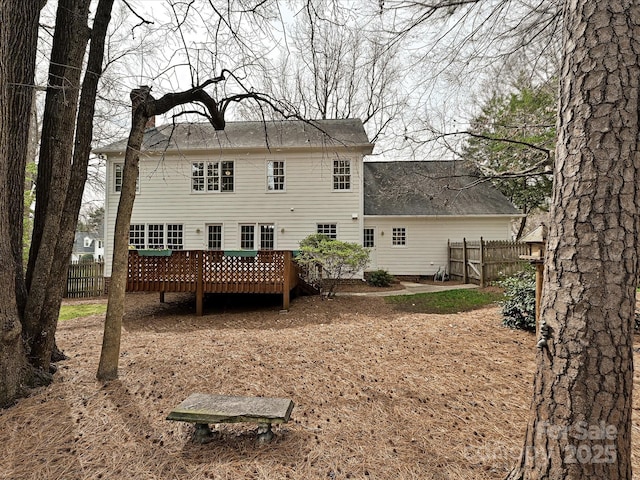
(118, 169)
(399, 236)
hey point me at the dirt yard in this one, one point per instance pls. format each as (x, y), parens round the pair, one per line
(378, 394)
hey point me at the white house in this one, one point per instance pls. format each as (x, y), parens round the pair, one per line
(259, 186)
(253, 186)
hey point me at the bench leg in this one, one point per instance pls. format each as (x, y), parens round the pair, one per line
(203, 433)
(265, 435)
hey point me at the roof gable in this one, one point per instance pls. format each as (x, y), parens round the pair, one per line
(283, 134)
(430, 188)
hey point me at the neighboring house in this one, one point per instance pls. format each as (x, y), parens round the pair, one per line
(412, 209)
(87, 244)
(258, 186)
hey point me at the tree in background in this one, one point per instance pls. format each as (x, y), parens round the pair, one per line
(336, 67)
(512, 141)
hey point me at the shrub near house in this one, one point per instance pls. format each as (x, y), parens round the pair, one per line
(337, 260)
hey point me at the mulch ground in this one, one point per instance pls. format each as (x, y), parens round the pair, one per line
(378, 394)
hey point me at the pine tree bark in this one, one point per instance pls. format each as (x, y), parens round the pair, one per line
(18, 42)
(580, 420)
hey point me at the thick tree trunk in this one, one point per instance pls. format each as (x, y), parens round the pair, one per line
(81, 152)
(18, 41)
(580, 425)
(54, 169)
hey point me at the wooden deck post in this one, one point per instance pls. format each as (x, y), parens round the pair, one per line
(286, 287)
(199, 286)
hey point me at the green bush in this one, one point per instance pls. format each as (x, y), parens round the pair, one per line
(380, 278)
(519, 307)
(333, 259)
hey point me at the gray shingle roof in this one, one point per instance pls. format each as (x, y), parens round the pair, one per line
(239, 135)
(430, 188)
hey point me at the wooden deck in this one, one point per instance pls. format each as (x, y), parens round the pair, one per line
(205, 271)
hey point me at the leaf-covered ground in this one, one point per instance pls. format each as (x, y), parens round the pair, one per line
(379, 394)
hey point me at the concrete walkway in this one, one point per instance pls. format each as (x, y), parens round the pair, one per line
(411, 288)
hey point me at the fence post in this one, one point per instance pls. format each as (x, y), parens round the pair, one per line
(482, 269)
(465, 276)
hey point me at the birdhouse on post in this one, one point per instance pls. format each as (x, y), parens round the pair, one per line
(536, 242)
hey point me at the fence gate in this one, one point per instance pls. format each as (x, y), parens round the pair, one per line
(482, 261)
(85, 279)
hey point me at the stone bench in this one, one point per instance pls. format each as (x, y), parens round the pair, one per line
(203, 409)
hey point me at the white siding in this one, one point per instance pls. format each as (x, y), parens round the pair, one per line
(426, 246)
(165, 197)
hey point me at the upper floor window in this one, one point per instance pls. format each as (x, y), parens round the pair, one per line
(87, 242)
(399, 236)
(214, 237)
(342, 174)
(118, 170)
(275, 175)
(328, 229)
(212, 176)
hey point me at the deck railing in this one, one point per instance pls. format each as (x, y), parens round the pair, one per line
(205, 271)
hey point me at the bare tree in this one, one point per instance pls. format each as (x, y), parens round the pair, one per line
(334, 66)
(145, 106)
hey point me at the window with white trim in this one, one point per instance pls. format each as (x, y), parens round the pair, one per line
(275, 176)
(174, 236)
(212, 176)
(214, 237)
(87, 242)
(118, 169)
(267, 237)
(342, 174)
(368, 238)
(399, 236)
(155, 235)
(247, 237)
(328, 229)
(137, 235)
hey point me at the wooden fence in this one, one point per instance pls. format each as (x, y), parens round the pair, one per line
(482, 261)
(85, 279)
